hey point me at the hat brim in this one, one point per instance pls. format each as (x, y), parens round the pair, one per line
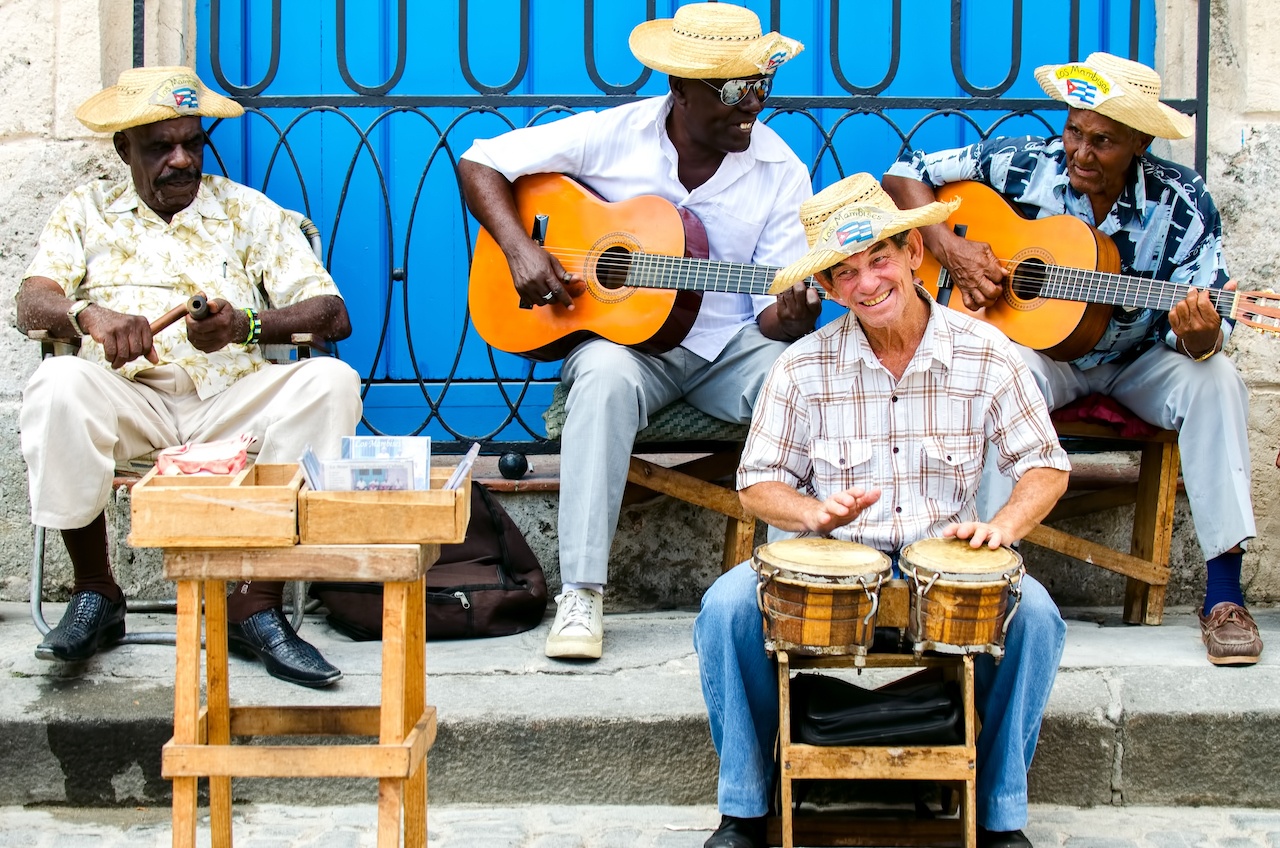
(653, 44)
(820, 258)
(100, 112)
(1146, 116)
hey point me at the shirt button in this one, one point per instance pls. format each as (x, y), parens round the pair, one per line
(842, 462)
(895, 398)
(948, 457)
(897, 509)
(895, 450)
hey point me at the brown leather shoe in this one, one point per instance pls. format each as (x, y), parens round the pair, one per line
(1230, 635)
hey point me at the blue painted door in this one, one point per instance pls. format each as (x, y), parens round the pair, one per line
(358, 112)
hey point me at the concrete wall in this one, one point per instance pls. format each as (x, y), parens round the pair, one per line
(60, 51)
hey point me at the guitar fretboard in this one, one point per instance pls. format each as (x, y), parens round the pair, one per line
(655, 271)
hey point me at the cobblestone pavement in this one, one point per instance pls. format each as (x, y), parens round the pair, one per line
(269, 826)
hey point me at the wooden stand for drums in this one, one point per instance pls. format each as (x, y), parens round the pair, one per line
(960, 595)
(954, 765)
(819, 597)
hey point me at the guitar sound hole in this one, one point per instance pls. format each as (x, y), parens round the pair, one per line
(1029, 279)
(612, 267)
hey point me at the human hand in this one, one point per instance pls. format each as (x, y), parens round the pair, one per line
(975, 271)
(223, 325)
(1196, 322)
(840, 509)
(978, 533)
(539, 278)
(123, 337)
(798, 310)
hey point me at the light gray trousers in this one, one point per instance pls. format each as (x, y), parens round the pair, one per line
(1206, 402)
(612, 392)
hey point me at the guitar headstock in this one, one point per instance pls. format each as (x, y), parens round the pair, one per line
(1258, 309)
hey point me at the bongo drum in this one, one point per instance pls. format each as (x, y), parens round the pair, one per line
(819, 596)
(960, 595)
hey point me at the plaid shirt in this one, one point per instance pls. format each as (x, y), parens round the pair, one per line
(831, 417)
(1164, 224)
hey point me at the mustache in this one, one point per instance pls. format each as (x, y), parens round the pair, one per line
(178, 176)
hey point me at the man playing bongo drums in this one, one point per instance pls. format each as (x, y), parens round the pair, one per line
(873, 429)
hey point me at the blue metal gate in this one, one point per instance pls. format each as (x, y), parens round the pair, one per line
(357, 113)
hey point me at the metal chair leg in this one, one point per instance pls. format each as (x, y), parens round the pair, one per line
(37, 583)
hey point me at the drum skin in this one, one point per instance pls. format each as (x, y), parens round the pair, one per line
(959, 594)
(819, 596)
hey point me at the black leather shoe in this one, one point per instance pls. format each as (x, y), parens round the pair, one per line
(1002, 839)
(268, 636)
(90, 622)
(734, 832)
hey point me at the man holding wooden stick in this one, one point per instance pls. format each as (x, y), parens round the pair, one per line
(115, 256)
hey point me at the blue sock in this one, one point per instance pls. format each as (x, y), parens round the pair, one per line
(1223, 583)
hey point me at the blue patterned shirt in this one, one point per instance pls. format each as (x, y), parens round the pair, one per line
(1164, 224)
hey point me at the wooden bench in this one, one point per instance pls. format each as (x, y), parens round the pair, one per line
(1145, 565)
(706, 480)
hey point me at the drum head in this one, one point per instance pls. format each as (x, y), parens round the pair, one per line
(824, 559)
(955, 559)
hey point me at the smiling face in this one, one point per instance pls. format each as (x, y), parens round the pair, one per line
(878, 284)
(1099, 151)
(709, 125)
(166, 160)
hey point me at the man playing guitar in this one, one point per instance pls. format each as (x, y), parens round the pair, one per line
(701, 148)
(1161, 366)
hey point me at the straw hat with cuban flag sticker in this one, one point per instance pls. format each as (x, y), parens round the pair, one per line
(1125, 91)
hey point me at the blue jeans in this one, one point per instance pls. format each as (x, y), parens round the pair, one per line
(740, 686)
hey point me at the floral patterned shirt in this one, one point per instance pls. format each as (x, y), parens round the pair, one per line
(103, 244)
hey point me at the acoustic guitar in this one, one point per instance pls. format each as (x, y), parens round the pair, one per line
(642, 265)
(1064, 279)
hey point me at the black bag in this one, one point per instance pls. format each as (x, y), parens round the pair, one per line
(829, 711)
(489, 585)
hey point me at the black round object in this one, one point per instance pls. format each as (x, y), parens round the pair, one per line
(513, 465)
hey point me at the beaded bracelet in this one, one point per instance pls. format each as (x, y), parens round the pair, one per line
(255, 326)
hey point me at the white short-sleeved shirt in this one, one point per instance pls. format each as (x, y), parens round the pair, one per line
(750, 207)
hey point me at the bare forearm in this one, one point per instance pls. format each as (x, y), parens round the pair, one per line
(1032, 498)
(324, 316)
(778, 505)
(489, 197)
(42, 305)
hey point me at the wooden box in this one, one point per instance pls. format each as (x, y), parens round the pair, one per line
(256, 507)
(386, 518)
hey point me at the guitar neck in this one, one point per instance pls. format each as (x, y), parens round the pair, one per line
(654, 271)
(1061, 283)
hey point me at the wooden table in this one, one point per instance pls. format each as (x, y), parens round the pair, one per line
(405, 727)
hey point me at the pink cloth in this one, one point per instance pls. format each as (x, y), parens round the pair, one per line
(1101, 409)
(225, 456)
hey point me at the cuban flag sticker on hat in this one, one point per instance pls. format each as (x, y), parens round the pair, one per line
(1084, 87)
(179, 94)
(852, 228)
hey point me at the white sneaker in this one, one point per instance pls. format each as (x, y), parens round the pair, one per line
(578, 631)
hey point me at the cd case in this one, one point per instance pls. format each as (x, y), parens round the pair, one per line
(367, 475)
(415, 448)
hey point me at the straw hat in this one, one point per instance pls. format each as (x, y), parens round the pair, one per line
(846, 218)
(711, 41)
(147, 95)
(1125, 91)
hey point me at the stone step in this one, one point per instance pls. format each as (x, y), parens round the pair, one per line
(1137, 716)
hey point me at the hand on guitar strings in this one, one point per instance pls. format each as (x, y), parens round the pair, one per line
(539, 278)
(1196, 322)
(798, 310)
(978, 533)
(840, 509)
(975, 271)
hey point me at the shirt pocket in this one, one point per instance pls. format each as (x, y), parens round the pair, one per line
(840, 464)
(951, 467)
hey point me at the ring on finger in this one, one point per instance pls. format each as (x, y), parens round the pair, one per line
(549, 295)
(567, 276)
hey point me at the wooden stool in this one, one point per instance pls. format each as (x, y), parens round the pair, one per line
(404, 726)
(949, 763)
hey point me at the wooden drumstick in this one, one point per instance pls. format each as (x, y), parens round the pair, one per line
(197, 307)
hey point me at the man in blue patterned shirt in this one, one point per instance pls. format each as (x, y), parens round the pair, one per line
(1162, 366)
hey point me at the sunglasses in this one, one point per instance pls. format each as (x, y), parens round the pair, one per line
(734, 91)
